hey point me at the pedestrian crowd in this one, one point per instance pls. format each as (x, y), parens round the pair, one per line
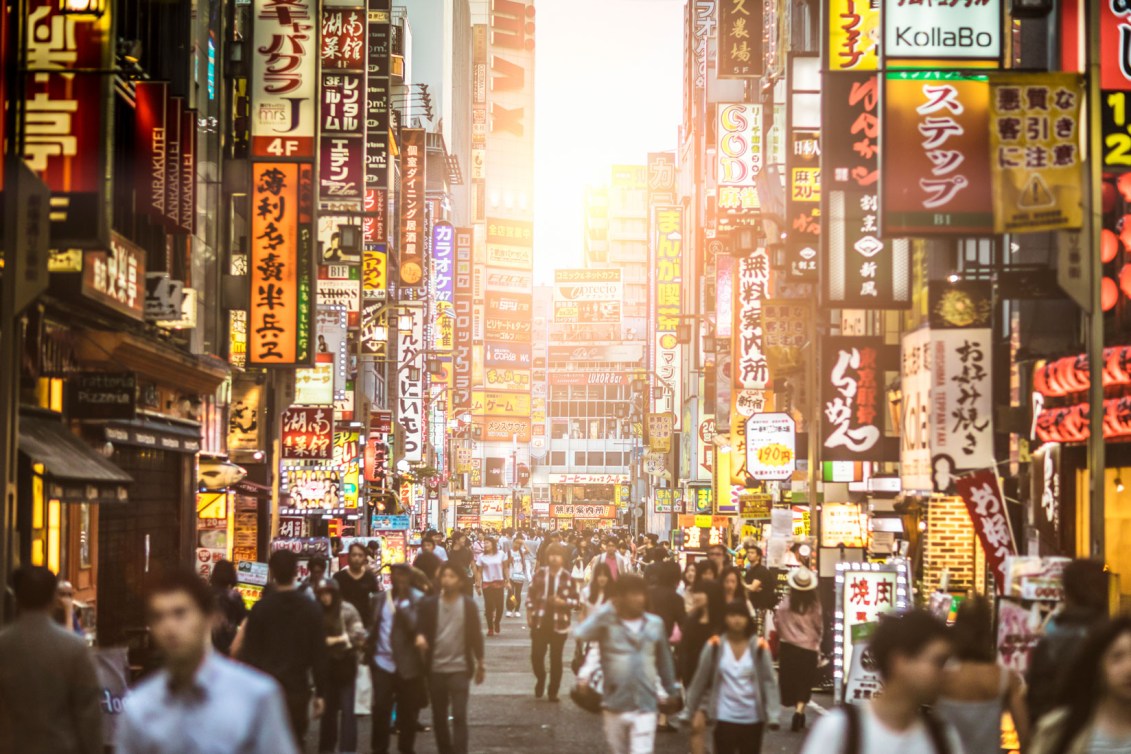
(718, 649)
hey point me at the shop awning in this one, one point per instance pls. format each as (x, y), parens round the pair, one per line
(150, 433)
(74, 473)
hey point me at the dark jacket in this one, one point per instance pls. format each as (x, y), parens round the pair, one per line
(1053, 655)
(427, 618)
(403, 636)
(285, 639)
(667, 603)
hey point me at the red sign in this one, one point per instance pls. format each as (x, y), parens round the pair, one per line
(343, 39)
(412, 206)
(150, 147)
(308, 434)
(984, 501)
(1115, 45)
(376, 206)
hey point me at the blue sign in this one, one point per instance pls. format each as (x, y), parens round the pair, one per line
(390, 523)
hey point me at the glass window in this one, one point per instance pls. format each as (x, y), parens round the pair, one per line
(559, 429)
(557, 458)
(579, 458)
(596, 458)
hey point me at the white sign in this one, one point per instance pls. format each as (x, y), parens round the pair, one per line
(588, 478)
(410, 392)
(914, 439)
(771, 446)
(343, 293)
(669, 368)
(654, 463)
(942, 31)
(751, 371)
(284, 69)
(962, 431)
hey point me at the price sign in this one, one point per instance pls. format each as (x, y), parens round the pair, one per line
(771, 446)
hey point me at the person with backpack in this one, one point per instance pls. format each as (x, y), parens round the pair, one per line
(735, 686)
(910, 651)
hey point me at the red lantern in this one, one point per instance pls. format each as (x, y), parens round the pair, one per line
(1125, 280)
(1109, 245)
(1124, 189)
(1109, 294)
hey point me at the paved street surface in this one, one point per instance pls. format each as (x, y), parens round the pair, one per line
(505, 718)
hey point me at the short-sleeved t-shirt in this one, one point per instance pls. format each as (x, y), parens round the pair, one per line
(828, 736)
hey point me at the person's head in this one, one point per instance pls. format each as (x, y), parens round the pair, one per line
(427, 545)
(178, 608)
(667, 574)
(490, 546)
(690, 573)
(64, 590)
(717, 554)
(737, 618)
(1085, 586)
(910, 651)
(706, 570)
(223, 574)
(358, 557)
(610, 546)
(317, 567)
(753, 554)
(802, 590)
(283, 567)
(34, 587)
(555, 556)
(451, 578)
(973, 632)
(732, 583)
(401, 576)
(329, 595)
(373, 547)
(601, 584)
(631, 595)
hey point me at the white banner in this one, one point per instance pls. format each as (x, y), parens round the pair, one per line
(410, 393)
(962, 430)
(914, 440)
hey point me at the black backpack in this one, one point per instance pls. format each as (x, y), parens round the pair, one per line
(854, 731)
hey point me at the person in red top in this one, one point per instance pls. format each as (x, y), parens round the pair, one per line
(618, 564)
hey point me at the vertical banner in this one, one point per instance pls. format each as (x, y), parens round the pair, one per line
(284, 72)
(341, 135)
(962, 431)
(669, 244)
(752, 287)
(410, 378)
(741, 25)
(66, 117)
(377, 96)
(280, 315)
(412, 206)
(174, 110)
(939, 181)
(862, 270)
(915, 408)
(852, 388)
(981, 491)
(150, 148)
(462, 298)
(738, 157)
(1037, 161)
(442, 278)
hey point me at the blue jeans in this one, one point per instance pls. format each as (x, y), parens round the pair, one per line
(450, 690)
(339, 702)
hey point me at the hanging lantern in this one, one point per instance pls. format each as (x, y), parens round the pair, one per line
(1109, 294)
(1109, 245)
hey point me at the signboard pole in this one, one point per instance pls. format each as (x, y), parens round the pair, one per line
(813, 418)
(1095, 451)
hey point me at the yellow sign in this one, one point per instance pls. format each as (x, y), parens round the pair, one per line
(703, 521)
(213, 505)
(1035, 155)
(374, 273)
(495, 403)
(854, 35)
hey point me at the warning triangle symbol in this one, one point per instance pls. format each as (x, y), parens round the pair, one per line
(1036, 194)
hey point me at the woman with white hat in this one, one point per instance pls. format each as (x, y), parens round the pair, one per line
(799, 625)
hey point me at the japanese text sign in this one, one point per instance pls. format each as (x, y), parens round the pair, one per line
(413, 225)
(982, 494)
(928, 34)
(738, 160)
(852, 392)
(740, 39)
(377, 91)
(914, 435)
(116, 278)
(1035, 154)
(283, 78)
(803, 202)
(752, 287)
(582, 510)
(854, 35)
(771, 452)
(939, 180)
(307, 434)
(410, 387)
(280, 313)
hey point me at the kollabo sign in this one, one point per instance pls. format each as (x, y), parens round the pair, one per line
(918, 35)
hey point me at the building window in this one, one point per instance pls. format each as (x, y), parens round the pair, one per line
(557, 458)
(596, 458)
(579, 458)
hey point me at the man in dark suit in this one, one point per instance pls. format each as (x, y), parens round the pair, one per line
(49, 690)
(549, 604)
(451, 639)
(395, 663)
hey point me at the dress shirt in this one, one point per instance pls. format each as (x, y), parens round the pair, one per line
(229, 709)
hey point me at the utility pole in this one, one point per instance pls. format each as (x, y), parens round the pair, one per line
(1095, 333)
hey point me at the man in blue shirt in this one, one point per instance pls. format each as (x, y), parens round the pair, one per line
(200, 701)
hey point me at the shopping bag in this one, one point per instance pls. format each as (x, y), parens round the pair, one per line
(363, 691)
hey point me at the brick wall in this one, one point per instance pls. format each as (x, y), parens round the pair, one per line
(950, 543)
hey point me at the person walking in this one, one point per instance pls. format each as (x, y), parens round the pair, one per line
(65, 612)
(49, 691)
(636, 660)
(462, 557)
(450, 638)
(800, 628)
(976, 688)
(316, 566)
(665, 601)
(394, 662)
(910, 651)
(283, 637)
(735, 686)
(490, 579)
(1096, 715)
(230, 609)
(760, 584)
(357, 582)
(427, 561)
(616, 561)
(345, 634)
(199, 701)
(549, 603)
(520, 568)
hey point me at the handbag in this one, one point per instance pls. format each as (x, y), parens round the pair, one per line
(589, 696)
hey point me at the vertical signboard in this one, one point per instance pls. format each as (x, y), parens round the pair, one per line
(377, 96)
(740, 52)
(915, 408)
(863, 271)
(852, 392)
(668, 243)
(985, 503)
(280, 313)
(462, 298)
(413, 225)
(442, 278)
(66, 118)
(341, 164)
(938, 181)
(150, 148)
(284, 70)
(854, 35)
(410, 379)
(751, 288)
(738, 157)
(803, 202)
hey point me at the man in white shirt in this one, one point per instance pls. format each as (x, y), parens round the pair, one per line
(910, 651)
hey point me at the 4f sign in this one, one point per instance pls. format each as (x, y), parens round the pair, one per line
(918, 35)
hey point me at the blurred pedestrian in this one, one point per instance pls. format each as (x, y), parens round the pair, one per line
(521, 566)
(316, 566)
(549, 604)
(66, 613)
(427, 561)
(910, 651)
(1096, 718)
(49, 691)
(664, 601)
(491, 567)
(230, 610)
(358, 583)
(283, 636)
(451, 638)
(200, 701)
(394, 662)
(976, 688)
(800, 627)
(345, 635)
(735, 686)
(1085, 606)
(463, 558)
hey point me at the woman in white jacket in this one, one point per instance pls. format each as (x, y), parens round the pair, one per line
(735, 686)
